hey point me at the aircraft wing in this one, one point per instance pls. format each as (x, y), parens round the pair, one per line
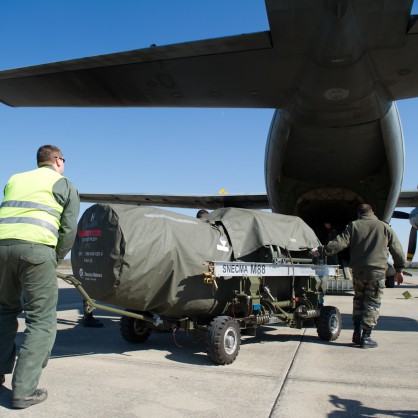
(236, 71)
(258, 70)
(249, 201)
(397, 68)
(408, 199)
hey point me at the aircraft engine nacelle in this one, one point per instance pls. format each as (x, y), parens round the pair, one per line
(412, 244)
(413, 218)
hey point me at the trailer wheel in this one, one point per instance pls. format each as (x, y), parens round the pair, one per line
(328, 324)
(134, 330)
(224, 339)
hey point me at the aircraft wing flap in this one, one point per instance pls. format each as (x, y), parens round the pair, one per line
(236, 71)
(249, 201)
(408, 199)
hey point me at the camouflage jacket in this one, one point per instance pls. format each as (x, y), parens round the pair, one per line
(369, 240)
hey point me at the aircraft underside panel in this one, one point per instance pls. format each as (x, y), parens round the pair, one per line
(312, 172)
(327, 53)
(222, 72)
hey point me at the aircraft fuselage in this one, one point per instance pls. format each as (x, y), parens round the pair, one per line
(337, 140)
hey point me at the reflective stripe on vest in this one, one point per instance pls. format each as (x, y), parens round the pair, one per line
(30, 205)
(29, 210)
(33, 221)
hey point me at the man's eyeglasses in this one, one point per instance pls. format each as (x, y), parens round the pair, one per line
(62, 159)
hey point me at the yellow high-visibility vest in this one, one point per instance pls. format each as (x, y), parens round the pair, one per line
(29, 210)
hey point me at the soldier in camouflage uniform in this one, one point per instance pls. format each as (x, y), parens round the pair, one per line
(369, 240)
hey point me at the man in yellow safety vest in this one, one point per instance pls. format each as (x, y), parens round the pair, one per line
(38, 223)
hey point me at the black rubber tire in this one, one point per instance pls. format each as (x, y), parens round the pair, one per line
(134, 330)
(224, 340)
(390, 282)
(329, 323)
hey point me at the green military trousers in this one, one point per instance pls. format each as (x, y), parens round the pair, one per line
(368, 289)
(27, 269)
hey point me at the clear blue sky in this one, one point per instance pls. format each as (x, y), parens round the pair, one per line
(159, 151)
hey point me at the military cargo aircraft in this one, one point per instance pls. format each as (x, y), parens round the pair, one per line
(333, 70)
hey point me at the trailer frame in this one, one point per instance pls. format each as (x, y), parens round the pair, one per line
(252, 305)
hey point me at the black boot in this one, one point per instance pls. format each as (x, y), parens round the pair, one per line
(90, 321)
(366, 341)
(357, 333)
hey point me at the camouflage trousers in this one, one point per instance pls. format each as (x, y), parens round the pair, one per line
(368, 289)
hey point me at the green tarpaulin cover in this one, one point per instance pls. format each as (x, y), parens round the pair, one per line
(149, 259)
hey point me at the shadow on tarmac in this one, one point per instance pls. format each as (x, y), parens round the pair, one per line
(386, 323)
(6, 396)
(77, 340)
(81, 341)
(354, 408)
(181, 347)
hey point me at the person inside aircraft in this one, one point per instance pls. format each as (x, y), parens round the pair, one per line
(201, 213)
(331, 234)
(369, 240)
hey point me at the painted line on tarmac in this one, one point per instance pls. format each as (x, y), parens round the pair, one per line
(276, 402)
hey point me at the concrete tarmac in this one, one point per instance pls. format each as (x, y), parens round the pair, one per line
(282, 372)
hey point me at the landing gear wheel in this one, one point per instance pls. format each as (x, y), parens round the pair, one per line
(134, 330)
(328, 324)
(224, 339)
